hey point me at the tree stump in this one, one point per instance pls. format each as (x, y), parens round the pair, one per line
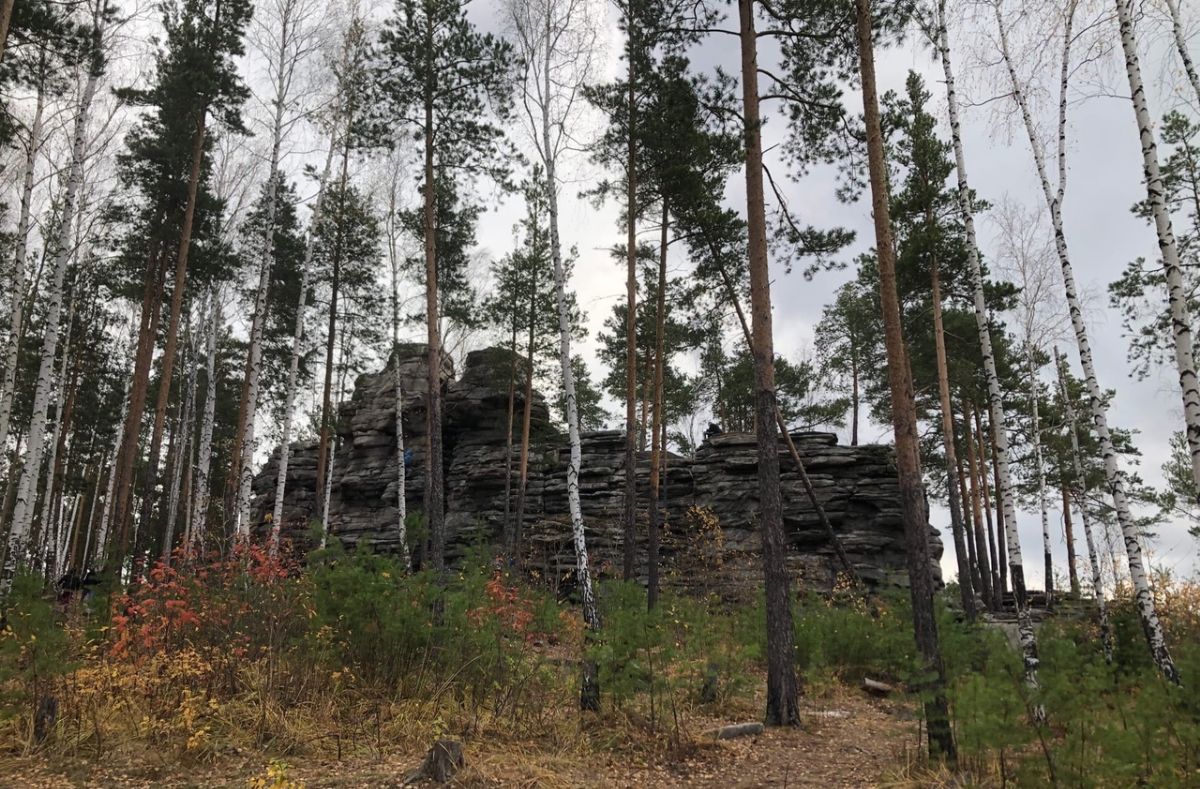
(444, 759)
(44, 717)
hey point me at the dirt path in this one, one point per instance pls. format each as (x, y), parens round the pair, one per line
(846, 741)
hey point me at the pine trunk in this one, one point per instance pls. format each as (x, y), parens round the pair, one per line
(904, 415)
(526, 423)
(629, 512)
(783, 705)
(434, 493)
(965, 582)
(657, 445)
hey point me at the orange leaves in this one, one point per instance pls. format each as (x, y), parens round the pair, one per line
(508, 607)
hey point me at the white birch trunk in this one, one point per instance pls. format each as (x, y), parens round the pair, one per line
(397, 383)
(293, 380)
(1060, 365)
(91, 522)
(17, 291)
(60, 250)
(183, 449)
(284, 68)
(200, 498)
(1114, 475)
(1028, 639)
(1181, 319)
(106, 512)
(549, 154)
(1039, 461)
(47, 519)
(1181, 46)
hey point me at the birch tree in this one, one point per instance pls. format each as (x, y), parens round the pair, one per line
(556, 41)
(1177, 296)
(941, 37)
(1027, 258)
(1054, 196)
(293, 377)
(59, 253)
(287, 32)
(33, 144)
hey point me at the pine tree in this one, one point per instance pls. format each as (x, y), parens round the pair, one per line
(904, 418)
(448, 87)
(165, 160)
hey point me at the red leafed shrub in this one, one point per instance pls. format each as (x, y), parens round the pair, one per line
(233, 605)
(509, 606)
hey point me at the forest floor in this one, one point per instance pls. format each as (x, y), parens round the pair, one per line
(846, 740)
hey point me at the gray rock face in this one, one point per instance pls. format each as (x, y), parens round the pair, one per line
(710, 542)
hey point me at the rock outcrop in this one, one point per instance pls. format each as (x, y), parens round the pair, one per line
(711, 541)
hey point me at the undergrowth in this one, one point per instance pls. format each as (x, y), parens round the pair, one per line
(350, 655)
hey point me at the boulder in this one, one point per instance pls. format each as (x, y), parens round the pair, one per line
(710, 542)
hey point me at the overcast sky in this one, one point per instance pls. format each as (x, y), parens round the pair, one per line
(1104, 181)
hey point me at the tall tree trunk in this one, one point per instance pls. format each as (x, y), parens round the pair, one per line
(965, 584)
(171, 342)
(398, 390)
(103, 526)
(324, 464)
(1114, 475)
(1060, 365)
(854, 397)
(1039, 461)
(834, 540)
(783, 706)
(657, 446)
(1181, 46)
(980, 583)
(6, 9)
(183, 451)
(904, 415)
(131, 428)
(991, 516)
(589, 697)
(434, 492)
(526, 420)
(507, 525)
(20, 252)
(60, 253)
(989, 453)
(995, 396)
(244, 438)
(1177, 296)
(200, 494)
(1069, 534)
(629, 512)
(63, 405)
(293, 379)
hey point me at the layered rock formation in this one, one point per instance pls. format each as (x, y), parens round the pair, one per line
(711, 541)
